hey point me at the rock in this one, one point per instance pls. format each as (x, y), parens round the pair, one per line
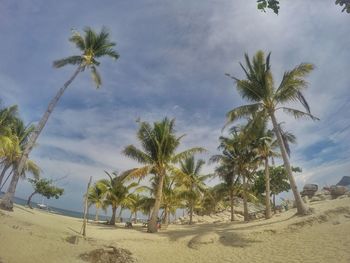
(337, 190)
(316, 199)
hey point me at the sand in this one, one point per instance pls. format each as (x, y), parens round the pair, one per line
(30, 236)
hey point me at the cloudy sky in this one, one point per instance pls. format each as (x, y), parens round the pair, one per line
(173, 56)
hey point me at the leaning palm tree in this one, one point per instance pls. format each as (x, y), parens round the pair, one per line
(259, 88)
(159, 144)
(92, 46)
(189, 177)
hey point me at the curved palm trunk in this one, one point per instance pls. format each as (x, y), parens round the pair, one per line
(3, 172)
(6, 202)
(267, 193)
(245, 201)
(152, 225)
(114, 210)
(232, 206)
(30, 199)
(302, 209)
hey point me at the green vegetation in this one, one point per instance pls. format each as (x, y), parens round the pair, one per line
(259, 88)
(45, 188)
(274, 5)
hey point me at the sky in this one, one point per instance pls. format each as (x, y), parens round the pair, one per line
(173, 60)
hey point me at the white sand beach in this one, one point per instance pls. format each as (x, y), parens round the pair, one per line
(36, 236)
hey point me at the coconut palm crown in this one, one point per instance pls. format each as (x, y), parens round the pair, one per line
(92, 46)
(259, 88)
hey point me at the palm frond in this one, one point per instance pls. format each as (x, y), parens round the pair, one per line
(132, 152)
(96, 76)
(185, 154)
(78, 40)
(299, 114)
(72, 60)
(242, 112)
(138, 172)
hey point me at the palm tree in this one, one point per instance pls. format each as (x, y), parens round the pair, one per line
(7, 138)
(259, 88)
(135, 205)
(96, 197)
(158, 154)
(226, 171)
(188, 176)
(239, 147)
(92, 46)
(116, 192)
(21, 134)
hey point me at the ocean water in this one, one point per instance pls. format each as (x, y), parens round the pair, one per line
(56, 210)
(76, 214)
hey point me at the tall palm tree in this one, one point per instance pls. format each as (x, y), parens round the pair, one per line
(189, 177)
(92, 46)
(159, 144)
(116, 192)
(259, 88)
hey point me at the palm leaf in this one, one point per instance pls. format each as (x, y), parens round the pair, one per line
(72, 60)
(96, 76)
(299, 114)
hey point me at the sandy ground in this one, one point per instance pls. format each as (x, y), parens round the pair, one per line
(35, 236)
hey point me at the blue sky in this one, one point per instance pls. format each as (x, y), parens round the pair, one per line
(173, 58)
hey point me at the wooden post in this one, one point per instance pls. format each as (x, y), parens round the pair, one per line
(86, 207)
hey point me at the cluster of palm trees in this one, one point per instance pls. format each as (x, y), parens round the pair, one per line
(175, 177)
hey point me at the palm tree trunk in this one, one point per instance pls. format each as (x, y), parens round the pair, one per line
(166, 215)
(8, 176)
(2, 175)
(302, 209)
(6, 202)
(191, 212)
(267, 193)
(245, 201)
(120, 214)
(152, 225)
(114, 210)
(96, 215)
(232, 206)
(274, 203)
(30, 199)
